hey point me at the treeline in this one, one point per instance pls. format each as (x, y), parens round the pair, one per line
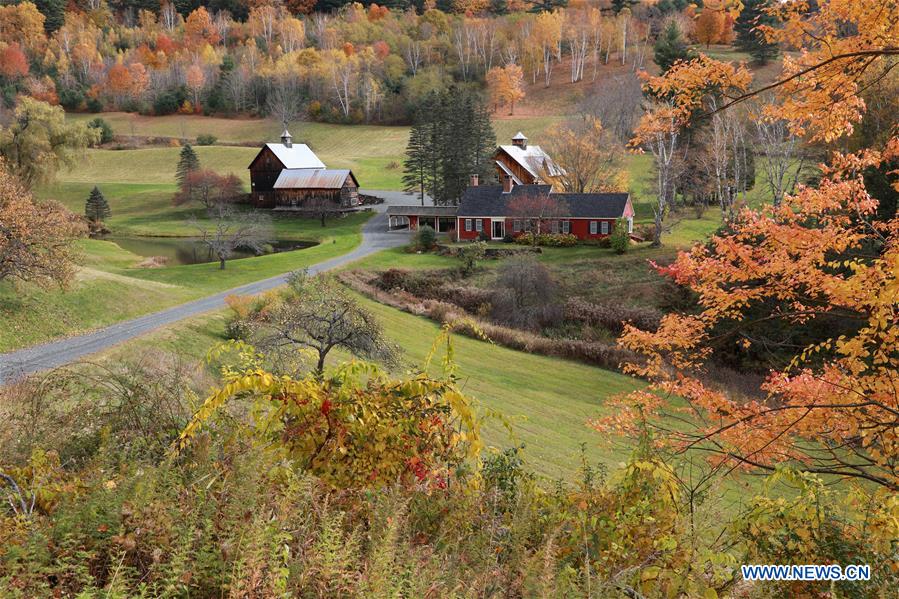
(331, 60)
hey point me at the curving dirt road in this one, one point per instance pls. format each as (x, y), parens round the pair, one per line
(56, 353)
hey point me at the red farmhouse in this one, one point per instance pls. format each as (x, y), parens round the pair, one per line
(499, 210)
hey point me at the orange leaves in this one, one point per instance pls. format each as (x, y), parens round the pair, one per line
(838, 396)
(506, 85)
(687, 83)
(13, 63)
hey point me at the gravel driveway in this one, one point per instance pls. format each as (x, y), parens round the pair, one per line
(375, 238)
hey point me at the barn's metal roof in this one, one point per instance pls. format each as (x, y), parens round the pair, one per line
(296, 156)
(534, 160)
(312, 178)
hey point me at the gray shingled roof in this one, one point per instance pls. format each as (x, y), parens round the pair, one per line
(421, 211)
(489, 200)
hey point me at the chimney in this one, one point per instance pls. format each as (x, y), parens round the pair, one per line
(507, 184)
(520, 141)
(473, 180)
(286, 139)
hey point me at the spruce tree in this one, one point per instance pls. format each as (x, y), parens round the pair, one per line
(96, 209)
(751, 40)
(671, 47)
(187, 163)
(619, 5)
(415, 167)
(538, 6)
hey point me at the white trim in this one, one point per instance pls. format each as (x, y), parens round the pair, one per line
(468, 225)
(493, 222)
(604, 227)
(594, 227)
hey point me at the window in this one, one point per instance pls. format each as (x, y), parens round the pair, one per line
(593, 227)
(478, 225)
(554, 227)
(604, 227)
(468, 224)
(566, 226)
(516, 226)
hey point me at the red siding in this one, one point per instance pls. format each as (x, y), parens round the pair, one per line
(580, 227)
(413, 223)
(474, 233)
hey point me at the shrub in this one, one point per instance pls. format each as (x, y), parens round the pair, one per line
(106, 134)
(557, 239)
(470, 254)
(71, 98)
(526, 294)
(425, 238)
(484, 236)
(620, 239)
(206, 139)
(94, 105)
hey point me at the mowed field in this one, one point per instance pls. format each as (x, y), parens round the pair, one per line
(374, 153)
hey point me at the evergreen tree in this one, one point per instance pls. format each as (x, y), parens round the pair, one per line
(538, 6)
(451, 140)
(187, 163)
(54, 12)
(96, 208)
(671, 47)
(499, 7)
(415, 167)
(619, 5)
(748, 38)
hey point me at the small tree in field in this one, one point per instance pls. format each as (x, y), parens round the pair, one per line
(188, 162)
(426, 237)
(620, 238)
(230, 231)
(470, 254)
(318, 314)
(96, 209)
(209, 188)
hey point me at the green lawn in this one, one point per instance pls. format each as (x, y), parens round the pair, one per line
(548, 400)
(110, 287)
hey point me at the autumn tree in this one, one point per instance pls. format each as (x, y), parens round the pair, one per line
(36, 239)
(709, 26)
(537, 211)
(208, 188)
(317, 313)
(822, 258)
(13, 62)
(585, 158)
(38, 141)
(505, 86)
(228, 230)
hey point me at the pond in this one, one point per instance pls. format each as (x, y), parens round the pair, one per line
(190, 250)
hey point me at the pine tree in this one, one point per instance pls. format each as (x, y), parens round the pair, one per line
(187, 163)
(671, 47)
(415, 167)
(54, 12)
(499, 7)
(749, 39)
(538, 6)
(619, 5)
(96, 209)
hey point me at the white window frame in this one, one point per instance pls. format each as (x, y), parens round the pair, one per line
(468, 225)
(594, 227)
(554, 227)
(478, 225)
(604, 227)
(493, 222)
(566, 227)
(516, 226)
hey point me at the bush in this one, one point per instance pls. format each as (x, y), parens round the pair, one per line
(484, 236)
(620, 239)
(106, 134)
(470, 254)
(547, 239)
(94, 105)
(425, 238)
(71, 98)
(206, 139)
(526, 294)
(169, 101)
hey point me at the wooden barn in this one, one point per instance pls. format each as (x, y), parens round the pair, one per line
(523, 164)
(290, 177)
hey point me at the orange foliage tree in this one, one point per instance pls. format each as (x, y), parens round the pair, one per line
(820, 258)
(506, 86)
(13, 63)
(709, 27)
